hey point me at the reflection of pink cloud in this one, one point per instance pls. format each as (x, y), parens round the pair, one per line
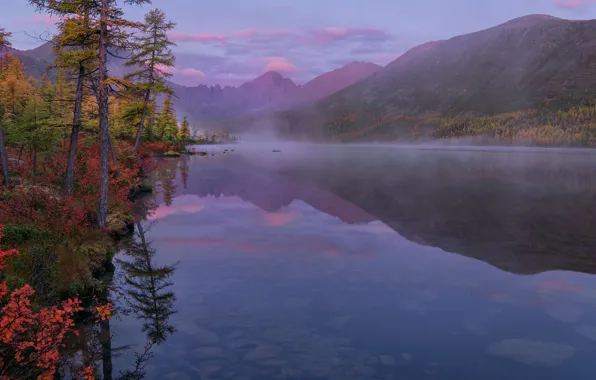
(247, 248)
(559, 286)
(281, 218)
(186, 204)
(195, 242)
(196, 37)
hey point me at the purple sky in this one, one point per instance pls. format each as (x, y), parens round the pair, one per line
(233, 41)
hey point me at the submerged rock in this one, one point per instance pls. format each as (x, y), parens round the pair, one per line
(532, 352)
(387, 360)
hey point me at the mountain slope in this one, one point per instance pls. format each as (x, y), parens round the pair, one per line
(269, 92)
(37, 61)
(525, 63)
(336, 80)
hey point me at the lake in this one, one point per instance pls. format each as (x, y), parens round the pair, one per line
(296, 261)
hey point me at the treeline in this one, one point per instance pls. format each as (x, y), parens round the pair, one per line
(574, 126)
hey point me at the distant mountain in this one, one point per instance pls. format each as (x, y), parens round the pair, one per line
(204, 102)
(37, 61)
(336, 80)
(269, 92)
(525, 63)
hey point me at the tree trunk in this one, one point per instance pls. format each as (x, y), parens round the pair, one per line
(4, 157)
(74, 134)
(104, 138)
(113, 151)
(21, 152)
(35, 161)
(141, 125)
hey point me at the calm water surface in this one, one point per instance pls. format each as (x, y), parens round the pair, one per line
(362, 263)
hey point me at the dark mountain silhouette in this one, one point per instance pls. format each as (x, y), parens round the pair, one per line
(525, 63)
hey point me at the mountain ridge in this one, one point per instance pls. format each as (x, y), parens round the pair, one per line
(269, 91)
(526, 63)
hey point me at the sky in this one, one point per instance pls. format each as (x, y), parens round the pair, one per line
(229, 42)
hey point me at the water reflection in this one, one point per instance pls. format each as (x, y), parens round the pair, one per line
(521, 213)
(328, 269)
(140, 289)
(149, 288)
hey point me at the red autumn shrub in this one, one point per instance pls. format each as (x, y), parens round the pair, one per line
(30, 340)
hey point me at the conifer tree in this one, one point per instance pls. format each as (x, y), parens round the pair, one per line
(167, 120)
(4, 45)
(152, 54)
(185, 130)
(112, 32)
(75, 52)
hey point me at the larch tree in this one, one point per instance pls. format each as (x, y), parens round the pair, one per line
(113, 33)
(185, 130)
(4, 45)
(74, 50)
(167, 120)
(152, 55)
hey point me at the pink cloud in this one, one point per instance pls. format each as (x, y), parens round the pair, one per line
(43, 19)
(280, 218)
(189, 75)
(573, 4)
(319, 36)
(246, 33)
(329, 35)
(281, 64)
(196, 37)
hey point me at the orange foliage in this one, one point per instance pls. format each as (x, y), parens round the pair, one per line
(30, 340)
(104, 312)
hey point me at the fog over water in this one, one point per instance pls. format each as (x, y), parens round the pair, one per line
(376, 261)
